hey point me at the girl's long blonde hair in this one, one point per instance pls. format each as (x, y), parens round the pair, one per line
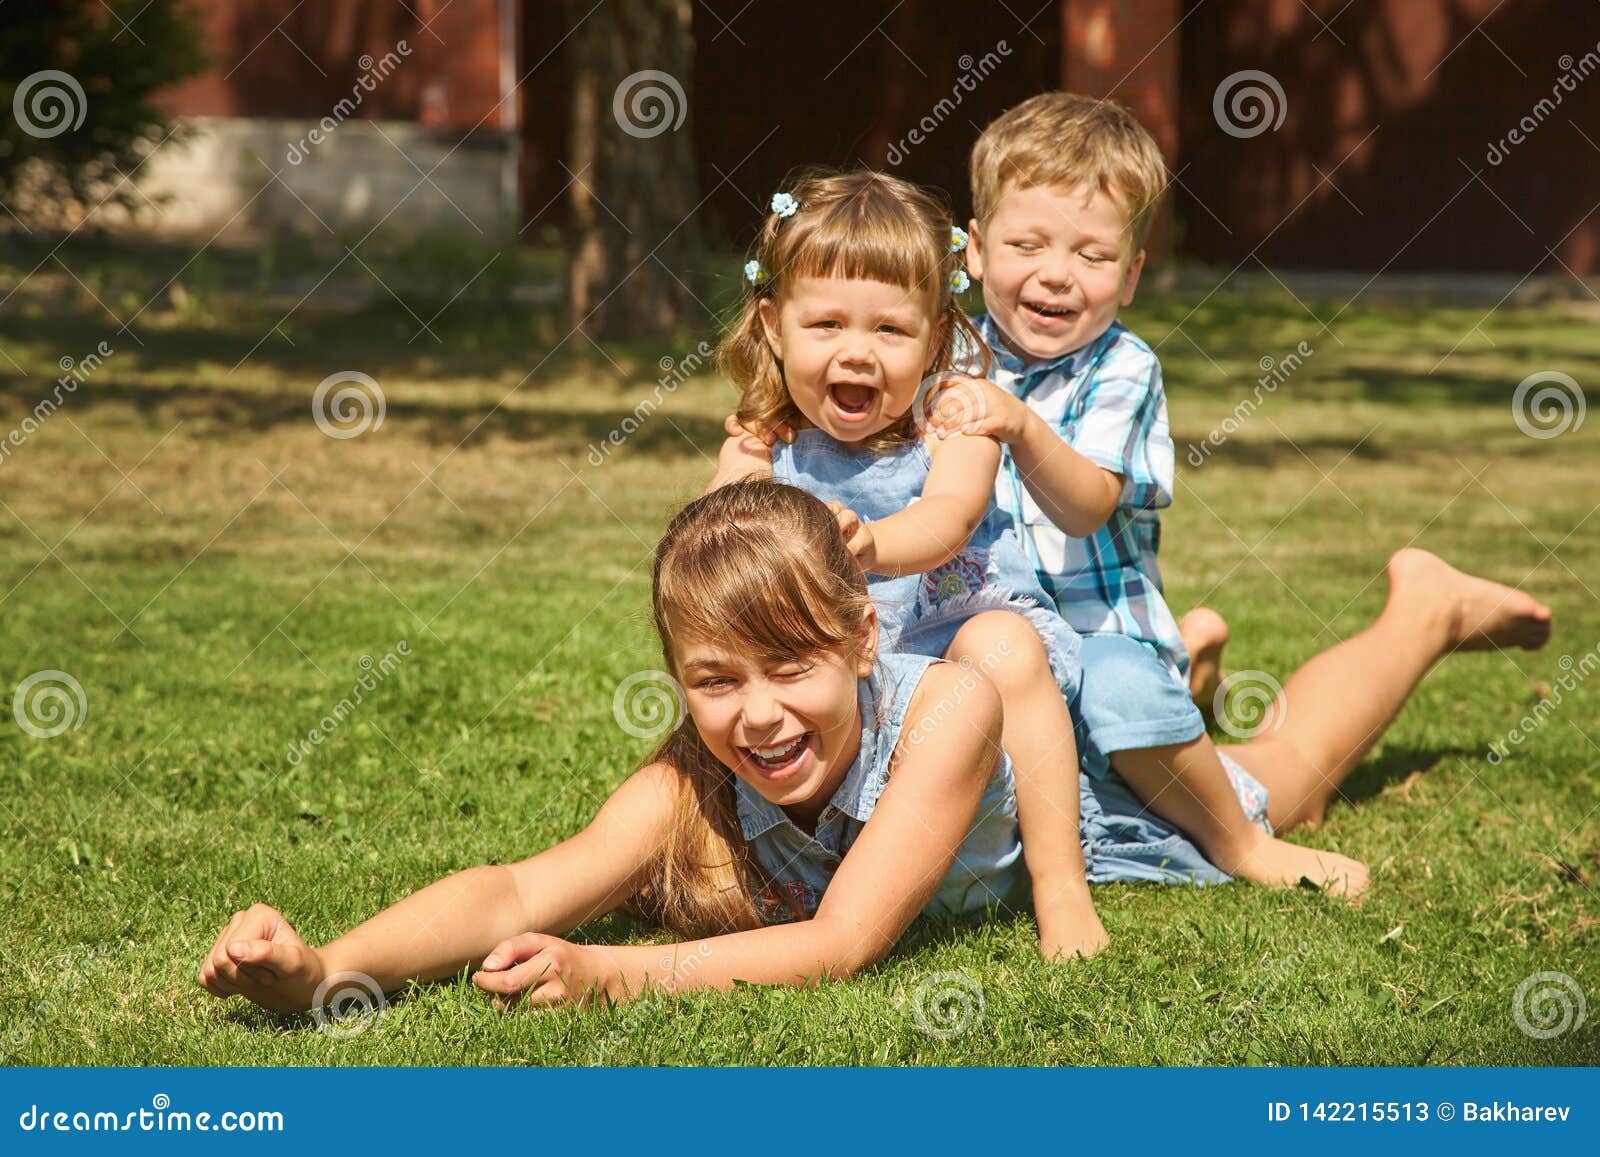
(860, 224)
(759, 567)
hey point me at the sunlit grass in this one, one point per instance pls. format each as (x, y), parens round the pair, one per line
(216, 599)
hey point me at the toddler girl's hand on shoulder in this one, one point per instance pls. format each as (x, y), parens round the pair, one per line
(977, 408)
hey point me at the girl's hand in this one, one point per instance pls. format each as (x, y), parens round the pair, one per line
(857, 536)
(973, 406)
(544, 970)
(260, 957)
(734, 429)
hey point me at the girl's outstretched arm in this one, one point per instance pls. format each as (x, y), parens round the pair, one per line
(453, 923)
(931, 531)
(891, 871)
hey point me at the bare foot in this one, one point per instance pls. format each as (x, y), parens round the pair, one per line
(1070, 927)
(1280, 864)
(1481, 614)
(1204, 633)
(1084, 938)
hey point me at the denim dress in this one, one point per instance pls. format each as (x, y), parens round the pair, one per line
(1123, 841)
(920, 614)
(988, 873)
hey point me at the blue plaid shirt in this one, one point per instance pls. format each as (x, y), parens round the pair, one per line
(1106, 402)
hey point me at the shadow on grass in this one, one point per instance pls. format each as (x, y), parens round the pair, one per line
(1370, 779)
(243, 412)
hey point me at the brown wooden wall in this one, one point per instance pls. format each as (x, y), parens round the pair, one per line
(277, 58)
(1400, 118)
(1381, 161)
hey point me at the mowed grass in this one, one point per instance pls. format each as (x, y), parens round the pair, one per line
(211, 568)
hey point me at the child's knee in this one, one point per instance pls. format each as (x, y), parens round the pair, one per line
(1004, 646)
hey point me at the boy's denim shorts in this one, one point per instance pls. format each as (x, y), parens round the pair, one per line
(1128, 701)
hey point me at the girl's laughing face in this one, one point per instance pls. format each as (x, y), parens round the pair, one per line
(788, 727)
(853, 351)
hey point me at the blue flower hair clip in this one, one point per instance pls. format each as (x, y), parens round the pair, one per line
(958, 239)
(784, 205)
(753, 273)
(959, 281)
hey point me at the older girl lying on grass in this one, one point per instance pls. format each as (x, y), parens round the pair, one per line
(815, 799)
(818, 796)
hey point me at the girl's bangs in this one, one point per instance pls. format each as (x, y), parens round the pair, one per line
(754, 596)
(855, 246)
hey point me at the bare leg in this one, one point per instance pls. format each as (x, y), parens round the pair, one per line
(1204, 633)
(1187, 785)
(1037, 734)
(1339, 704)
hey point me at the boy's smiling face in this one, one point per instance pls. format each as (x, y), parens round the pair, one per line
(1056, 265)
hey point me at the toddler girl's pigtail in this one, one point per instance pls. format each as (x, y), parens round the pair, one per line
(744, 354)
(964, 350)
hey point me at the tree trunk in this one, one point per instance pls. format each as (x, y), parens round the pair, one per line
(633, 189)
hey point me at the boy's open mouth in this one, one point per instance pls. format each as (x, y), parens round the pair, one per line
(1046, 314)
(775, 760)
(852, 401)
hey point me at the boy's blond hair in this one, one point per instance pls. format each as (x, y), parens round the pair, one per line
(1063, 140)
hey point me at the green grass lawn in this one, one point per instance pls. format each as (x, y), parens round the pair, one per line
(184, 542)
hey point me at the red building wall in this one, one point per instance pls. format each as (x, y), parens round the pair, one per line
(276, 58)
(1383, 159)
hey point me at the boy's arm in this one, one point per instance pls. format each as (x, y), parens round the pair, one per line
(1121, 449)
(931, 531)
(1073, 492)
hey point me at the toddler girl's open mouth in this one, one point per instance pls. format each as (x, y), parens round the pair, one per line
(852, 402)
